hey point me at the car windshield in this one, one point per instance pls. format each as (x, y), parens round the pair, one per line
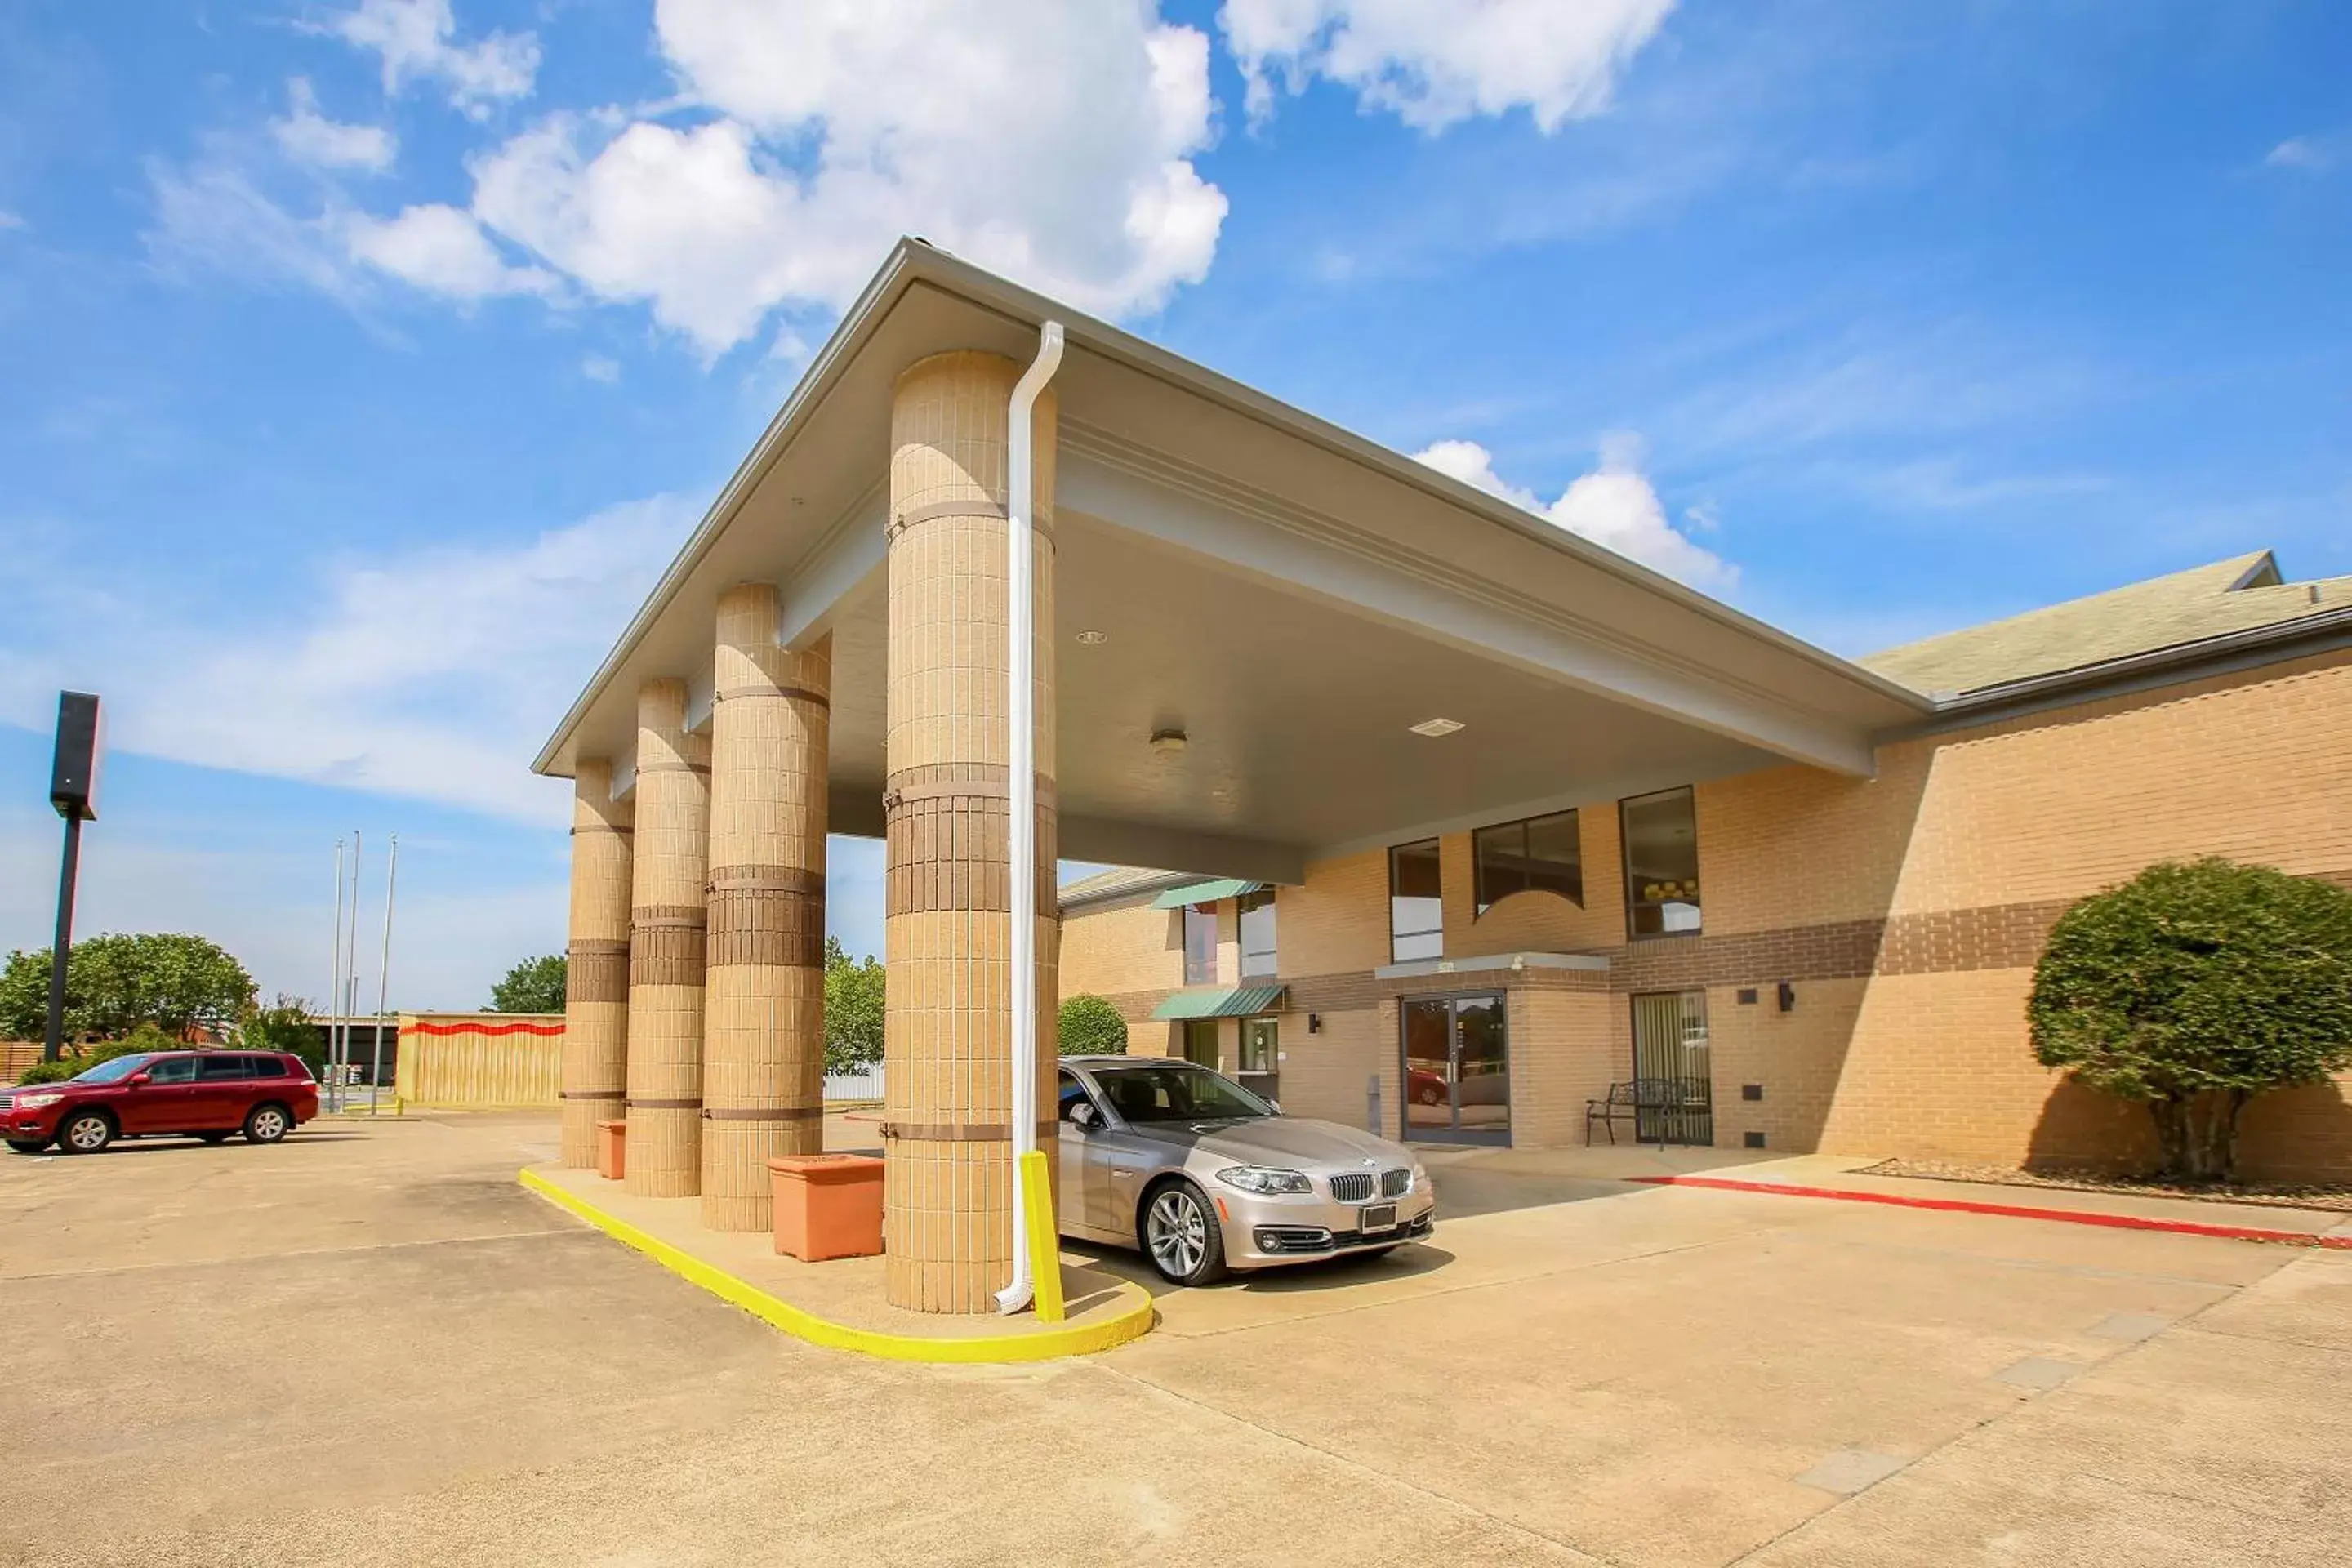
(1177, 1093)
(113, 1071)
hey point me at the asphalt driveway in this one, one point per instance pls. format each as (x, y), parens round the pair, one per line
(370, 1346)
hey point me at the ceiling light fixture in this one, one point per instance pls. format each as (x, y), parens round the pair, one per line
(1434, 728)
(1093, 639)
(1168, 742)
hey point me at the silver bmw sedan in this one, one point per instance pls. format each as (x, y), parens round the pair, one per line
(1203, 1176)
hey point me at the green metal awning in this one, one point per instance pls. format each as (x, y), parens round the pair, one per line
(1221, 1002)
(1204, 893)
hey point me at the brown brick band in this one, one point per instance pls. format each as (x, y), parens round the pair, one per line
(761, 1113)
(981, 780)
(756, 926)
(1041, 516)
(957, 1132)
(702, 769)
(636, 1104)
(947, 853)
(789, 693)
(615, 1095)
(667, 951)
(622, 834)
(596, 972)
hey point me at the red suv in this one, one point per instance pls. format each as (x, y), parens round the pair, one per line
(203, 1094)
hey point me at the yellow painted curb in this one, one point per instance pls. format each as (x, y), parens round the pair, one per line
(1131, 1322)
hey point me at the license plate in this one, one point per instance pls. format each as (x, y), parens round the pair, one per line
(1379, 1217)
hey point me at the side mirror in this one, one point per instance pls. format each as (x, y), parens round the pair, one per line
(1276, 1106)
(1083, 1116)
(141, 1077)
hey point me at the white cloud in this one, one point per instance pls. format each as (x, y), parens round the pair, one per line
(1434, 64)
(434, 674)
(598, 368)
(417, 41)
(214, 214)
(1613, 506)
(9, 220)
(441, 250)
(308, 137)
(1053, 146)
(2310, 154)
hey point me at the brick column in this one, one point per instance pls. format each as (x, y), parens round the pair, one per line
(596, 968)
(666, 943)
(948, 1187)
(763, 1034)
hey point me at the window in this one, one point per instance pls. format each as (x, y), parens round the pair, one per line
(1257, 912)
(1660, 863)
(1260, 1048)
(170, 1069)
(1200, 1042)
(1074, 1093)
(1200, 944)
(1541, 854)
(1416, 912)
(213, 1068)
(1177, 1091)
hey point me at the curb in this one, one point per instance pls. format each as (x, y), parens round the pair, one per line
(2012, 1211)
(1130, 1323)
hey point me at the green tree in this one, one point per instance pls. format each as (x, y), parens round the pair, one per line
(115, 983)
(284, 1026)
(2194, 988)
(854, 993)
(1087, 1025)
(534, 986)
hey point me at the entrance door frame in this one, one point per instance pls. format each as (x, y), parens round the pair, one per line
(1454, 1133)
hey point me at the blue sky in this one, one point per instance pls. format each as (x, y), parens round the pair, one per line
(364, 359)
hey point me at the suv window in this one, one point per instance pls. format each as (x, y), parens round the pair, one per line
(295, 1067)
(213, 1068)
(268, 1066)
(171, 1069)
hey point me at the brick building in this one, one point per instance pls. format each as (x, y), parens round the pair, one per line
(1264, 649)
(1822, 962)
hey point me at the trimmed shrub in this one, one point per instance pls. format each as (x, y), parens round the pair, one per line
(2194, 988)
(1087, 1025)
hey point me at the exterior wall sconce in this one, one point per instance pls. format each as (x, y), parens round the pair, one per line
(1314, 1023)
(1788, 997)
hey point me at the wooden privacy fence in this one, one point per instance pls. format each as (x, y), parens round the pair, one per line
(15, 1055)
(480, 1060)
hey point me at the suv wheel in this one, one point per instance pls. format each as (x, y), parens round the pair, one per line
(267, 1123)
(86, 1133)
(1181, 1237)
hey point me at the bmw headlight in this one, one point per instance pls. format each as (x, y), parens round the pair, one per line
(35, 1102)
(1263, 1179)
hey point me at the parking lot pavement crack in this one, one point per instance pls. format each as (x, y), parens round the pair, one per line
(1575, 1552)
(2244, 1338)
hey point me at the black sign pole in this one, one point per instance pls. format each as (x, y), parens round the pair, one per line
(54, 1045)
(73, 790)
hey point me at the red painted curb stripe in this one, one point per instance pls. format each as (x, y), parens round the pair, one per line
(2010, 1211)
(483, 1029)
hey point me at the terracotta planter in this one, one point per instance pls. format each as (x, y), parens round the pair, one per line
(827, 1205)
(612, 1150)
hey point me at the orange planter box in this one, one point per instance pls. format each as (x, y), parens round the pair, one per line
(613, 1150)
(827, 1205)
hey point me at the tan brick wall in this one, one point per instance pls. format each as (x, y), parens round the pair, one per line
(1323, 1074)
(1906, 909)
(1118, 949)
(1563, 1052)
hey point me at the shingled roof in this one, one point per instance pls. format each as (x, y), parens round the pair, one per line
(2230, 596)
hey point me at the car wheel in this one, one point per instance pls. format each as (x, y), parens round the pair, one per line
(1181, 1237)
(212, 1137)
(1430, 1097)
(266, 1124)
(28, 1145)
(86, 1133)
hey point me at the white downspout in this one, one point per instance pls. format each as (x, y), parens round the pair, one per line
(1020, 708)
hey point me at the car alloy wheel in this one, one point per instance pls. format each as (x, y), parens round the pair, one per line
(265, 1125)
(1178, 1233)
(86, 1134)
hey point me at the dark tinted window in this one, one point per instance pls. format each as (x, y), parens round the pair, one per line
(171, 1069)
(1416, 910)
(1542, 854)
(212, 1068)
(1178, 1092)
(1255, 912)
(1660, 863)
(295, 1067)
(268, 1066)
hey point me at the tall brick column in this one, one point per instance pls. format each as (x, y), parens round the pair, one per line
(948, 1187)
(596, 968)
(665, 943)
(763, 1033)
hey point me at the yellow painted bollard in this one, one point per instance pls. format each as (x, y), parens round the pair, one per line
(1044, 1241)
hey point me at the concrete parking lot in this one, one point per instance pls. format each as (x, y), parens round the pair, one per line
(370, 1346)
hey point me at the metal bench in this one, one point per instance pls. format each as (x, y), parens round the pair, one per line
(1625, 1102)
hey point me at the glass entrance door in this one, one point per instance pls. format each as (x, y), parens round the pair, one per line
(1675, 1092)
(1457, 1072)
